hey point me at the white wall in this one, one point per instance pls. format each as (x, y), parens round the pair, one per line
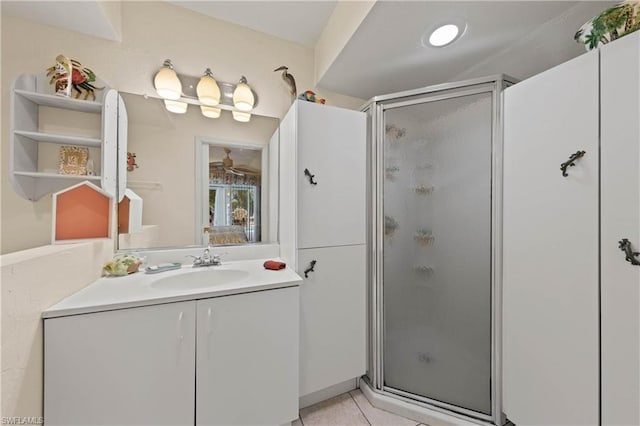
(151, 32)
(25, 294)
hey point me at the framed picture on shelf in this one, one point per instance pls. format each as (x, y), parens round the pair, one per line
(73, 160)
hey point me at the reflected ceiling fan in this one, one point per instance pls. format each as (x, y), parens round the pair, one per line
(227, 165)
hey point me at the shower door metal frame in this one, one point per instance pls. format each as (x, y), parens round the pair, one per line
(375, 233)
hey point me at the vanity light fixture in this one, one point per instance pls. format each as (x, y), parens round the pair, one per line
(210, 112)
(208, 90)
(175, 107)
(167, 83)
(179, 90)
(444, 35)
(242, 117)
(243, 96)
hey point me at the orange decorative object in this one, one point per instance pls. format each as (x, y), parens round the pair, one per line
(131, 161)
(81, 211)
(310, 96)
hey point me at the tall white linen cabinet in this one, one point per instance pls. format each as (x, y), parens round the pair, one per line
(322, 234)
(571, 282)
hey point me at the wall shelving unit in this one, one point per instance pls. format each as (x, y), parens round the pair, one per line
(28, 94)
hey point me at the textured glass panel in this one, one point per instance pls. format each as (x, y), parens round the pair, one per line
(437, 250)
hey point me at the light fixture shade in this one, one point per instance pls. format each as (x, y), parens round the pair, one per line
(208, 90)
(175, 106)
(210, 112)
(444, 35)
(167, 83)
(242, 117)
(243, 99)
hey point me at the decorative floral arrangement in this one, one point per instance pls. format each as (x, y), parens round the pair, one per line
(610, 25)
(121, 264)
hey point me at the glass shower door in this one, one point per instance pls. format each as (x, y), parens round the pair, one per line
(437, 250)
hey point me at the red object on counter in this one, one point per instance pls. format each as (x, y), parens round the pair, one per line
(274, 265)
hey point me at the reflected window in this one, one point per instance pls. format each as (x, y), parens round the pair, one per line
(234, 197)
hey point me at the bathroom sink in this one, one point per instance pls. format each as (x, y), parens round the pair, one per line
(199, 278)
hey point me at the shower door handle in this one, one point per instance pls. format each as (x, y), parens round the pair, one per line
(571, 162)
(630, 255)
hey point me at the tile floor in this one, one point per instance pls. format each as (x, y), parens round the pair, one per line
(349, 409)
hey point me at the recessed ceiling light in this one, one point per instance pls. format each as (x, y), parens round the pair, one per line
(443, 35)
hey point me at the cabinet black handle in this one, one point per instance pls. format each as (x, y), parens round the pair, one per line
(308, 174)
(309, 269)
(629, 255)
(571, 162)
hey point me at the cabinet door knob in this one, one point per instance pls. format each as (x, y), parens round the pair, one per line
(571, 162)
(308, 174)
(309, 269)
(629, 255)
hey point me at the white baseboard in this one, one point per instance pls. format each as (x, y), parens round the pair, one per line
(413, 411)
(327, 393)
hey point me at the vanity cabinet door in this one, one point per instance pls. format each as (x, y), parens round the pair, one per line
(124, 367)
(332, 316)
(247, 358)
(332, 147)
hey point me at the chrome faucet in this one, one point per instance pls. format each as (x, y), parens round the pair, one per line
(206, 259)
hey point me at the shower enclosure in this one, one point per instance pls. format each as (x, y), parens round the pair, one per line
(434, 237)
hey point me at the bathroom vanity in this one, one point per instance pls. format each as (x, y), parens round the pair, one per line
(203, 346)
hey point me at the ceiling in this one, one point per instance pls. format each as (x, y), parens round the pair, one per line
(385, 53)
(517, 38)
(298, 21)
(94, 18)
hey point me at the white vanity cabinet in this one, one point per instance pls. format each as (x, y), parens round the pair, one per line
(230, 360)
(124, 367)
(570, 300)
(322, 223)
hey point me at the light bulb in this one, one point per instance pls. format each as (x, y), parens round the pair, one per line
(167, 83)
(210, 112)
(175, 106)
(444, 35)
(208, 90)
(242, 117)
(243, 99)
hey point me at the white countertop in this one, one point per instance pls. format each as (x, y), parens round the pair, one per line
(135, 290)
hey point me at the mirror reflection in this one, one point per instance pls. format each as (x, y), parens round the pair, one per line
(200, 180)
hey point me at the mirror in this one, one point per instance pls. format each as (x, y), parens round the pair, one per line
(199, 178)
